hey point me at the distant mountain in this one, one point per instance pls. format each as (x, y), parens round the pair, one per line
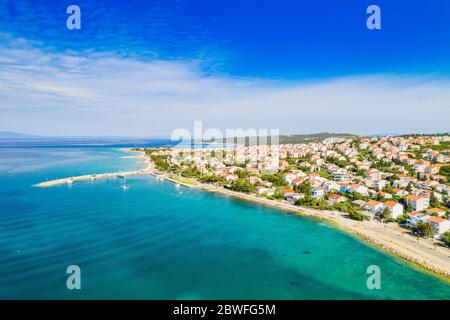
(16, 135)
(301, 138)
(314, 137)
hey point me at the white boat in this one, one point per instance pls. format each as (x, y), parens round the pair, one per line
(124, 186)
(70, 181)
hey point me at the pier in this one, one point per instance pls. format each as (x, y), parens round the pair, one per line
(91, 177)
(87, 177)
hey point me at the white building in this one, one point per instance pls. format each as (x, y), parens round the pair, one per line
(395, 208)
(416, 217)
(440, 225)
(317, 192)
(374, 206)
(418, 203)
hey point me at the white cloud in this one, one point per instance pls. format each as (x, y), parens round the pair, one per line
(105, 94)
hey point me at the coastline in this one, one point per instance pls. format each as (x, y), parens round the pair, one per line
(390, 239)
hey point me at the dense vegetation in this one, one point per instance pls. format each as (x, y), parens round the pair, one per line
(445, 171)
(424, 229)
(446, 238)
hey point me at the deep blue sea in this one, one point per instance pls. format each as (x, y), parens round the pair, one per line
(159, 241)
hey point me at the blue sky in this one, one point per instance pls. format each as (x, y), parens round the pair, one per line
(150, 67)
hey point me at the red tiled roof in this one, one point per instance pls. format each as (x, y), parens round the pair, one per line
(390, 203)
(436, 219)
(415, 213)
(413, 198)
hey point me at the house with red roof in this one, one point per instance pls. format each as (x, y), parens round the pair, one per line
(395, 208)
(440, 225)
(436, 211)
(374, 206)
(418, 203)
(335, 198)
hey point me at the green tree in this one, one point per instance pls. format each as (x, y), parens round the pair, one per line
(385, 214)
(409, 187)
(434, 201)
(424, 229)
(305, 188)
(357, 216)
(407, 205)
(445, 171)
(276, 179)
(357, 196)
(277, 195)
(210, 179)
(190, 173)
(160, 162)
(402, 219)
(446, 238)
(242, 185)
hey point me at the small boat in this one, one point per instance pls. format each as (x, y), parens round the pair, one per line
(70, 181)
(124, 186)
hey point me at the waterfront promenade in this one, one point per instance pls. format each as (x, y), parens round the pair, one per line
(87, 177)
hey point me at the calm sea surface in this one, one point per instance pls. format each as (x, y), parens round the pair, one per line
(159, 241)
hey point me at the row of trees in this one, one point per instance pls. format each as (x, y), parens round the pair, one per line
(242, 185)
(160, 162)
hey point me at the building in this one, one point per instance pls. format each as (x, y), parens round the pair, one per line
(418, 203)
(359, 189)
(287, 191)
(317, 192)
(374, 206)
(395, 208)
(385, 195)
(374, 174)
(435, 211)
(335, 198)
(416, 217)
(359, 203)
(292, 197)
(340, 175)
(440, 225)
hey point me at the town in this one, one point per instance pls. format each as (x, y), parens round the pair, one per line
(402, 180)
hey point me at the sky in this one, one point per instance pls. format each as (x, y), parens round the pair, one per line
(147, 68)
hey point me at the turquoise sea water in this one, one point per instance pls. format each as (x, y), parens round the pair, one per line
(159, 241)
